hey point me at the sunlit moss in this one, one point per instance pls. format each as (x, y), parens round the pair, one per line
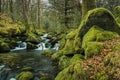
(93, 48)
(73, 72)
(25, 76)
(93, 40)
(33, 38)
(64, 62)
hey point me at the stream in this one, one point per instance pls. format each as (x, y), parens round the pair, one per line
(42, 66)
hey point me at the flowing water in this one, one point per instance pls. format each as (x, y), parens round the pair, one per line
(42, 65)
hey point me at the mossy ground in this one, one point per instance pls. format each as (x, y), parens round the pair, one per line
(104, 66)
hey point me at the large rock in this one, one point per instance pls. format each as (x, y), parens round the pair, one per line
(100, 17)
(93, 40)
(32, 40)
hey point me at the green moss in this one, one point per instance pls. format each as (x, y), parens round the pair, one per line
(76, 58)
(33, 38)
(93, 48)
(9, 28)
(73, 72)
(71, 34)
(57, 55)
(4, 47)
(47, 52)
(27, 69)
(98, 34)
(101, 76)
(62, 43)
(72, 45)
(40, 32)
(93, 40)
(25, 76)
(63, 62)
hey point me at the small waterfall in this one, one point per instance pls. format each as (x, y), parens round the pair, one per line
(42, 45)
(46, 45)
(21, 46)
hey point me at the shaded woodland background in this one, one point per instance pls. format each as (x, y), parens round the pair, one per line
(50, 15)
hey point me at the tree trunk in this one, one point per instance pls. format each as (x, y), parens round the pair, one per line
(38, 15)
(25, 14)
(11, 9)
(87, 5)
(0, 6)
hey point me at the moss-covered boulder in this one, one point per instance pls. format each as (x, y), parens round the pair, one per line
(107, 29)
(100, 17)
(92, 42)
(33, 38)
(73, 72)
(4, 47)
(25, 76)
(47, 52)
(65, 61)
(72, 45)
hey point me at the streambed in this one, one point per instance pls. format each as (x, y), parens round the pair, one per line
(41, 65)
